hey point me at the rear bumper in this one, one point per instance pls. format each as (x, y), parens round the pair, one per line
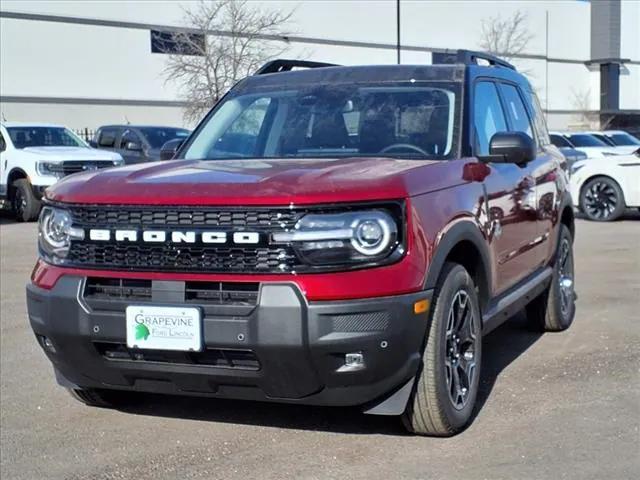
(299, 346)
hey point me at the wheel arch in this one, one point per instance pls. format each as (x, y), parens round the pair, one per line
(16, 173)
(465, 244)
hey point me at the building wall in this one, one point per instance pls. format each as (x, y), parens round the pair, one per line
(99, 74)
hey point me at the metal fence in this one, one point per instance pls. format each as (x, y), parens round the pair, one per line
(85, 133)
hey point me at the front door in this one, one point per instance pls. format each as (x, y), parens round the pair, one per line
(511, 195)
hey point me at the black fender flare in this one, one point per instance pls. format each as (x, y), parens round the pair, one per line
(465, 230)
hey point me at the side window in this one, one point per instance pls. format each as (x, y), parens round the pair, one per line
(129, 136)
(560, 141)
(538, 119)
(488, 117)
(107, 137)
(242, 135)
(3, 145)
(518, 116)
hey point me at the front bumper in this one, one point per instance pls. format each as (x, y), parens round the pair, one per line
(299, 347)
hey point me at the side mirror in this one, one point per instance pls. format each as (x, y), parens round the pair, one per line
(133, 146)
(511, 147)
(93, 144)
(169, 149)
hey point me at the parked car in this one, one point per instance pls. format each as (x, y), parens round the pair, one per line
(354, 250)
(584, 142)
(572, 155)
(136, 143)
(35, 156)
(603, 188)
(623, 142)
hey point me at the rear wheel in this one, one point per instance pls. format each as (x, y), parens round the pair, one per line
(447, 386)
(26, 206)
(602, 200)
(554, 309)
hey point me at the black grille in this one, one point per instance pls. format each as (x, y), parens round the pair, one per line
(103, 216)
(185, 257)
(181, 258)
(240, 359)
(74, 166)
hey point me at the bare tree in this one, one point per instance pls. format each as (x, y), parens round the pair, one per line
(586, 116)
(222, 42)
(506, 37)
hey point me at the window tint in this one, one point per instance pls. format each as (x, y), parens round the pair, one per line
(157, 137)
(559, 141)
(25, 137)
(539, 123)
(624, 139)
(3, 145)
(332, 120)
(129, 136)
(586, 140)
(107, 137)
(242, 135)
(488, 117)
(519, 118)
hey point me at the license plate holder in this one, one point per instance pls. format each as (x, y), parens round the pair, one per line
(154, 327)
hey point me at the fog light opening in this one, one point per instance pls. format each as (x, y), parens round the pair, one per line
(352, 362)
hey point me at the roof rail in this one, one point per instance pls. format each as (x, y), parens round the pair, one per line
(282, 65)
(470, 57)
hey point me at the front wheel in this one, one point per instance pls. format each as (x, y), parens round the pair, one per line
(26, 206)
(94, 397)
(447, 386)
(554, 309)
(602, 200)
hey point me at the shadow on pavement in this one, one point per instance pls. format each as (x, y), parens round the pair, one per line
(500, 348)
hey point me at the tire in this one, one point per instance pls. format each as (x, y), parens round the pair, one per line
(602, 200)
(26, 206)
(437, 407)
(94, 397)
(554, 309)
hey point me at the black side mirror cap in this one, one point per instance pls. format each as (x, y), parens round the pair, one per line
(511, 147)
(93, 144)
(169, 149)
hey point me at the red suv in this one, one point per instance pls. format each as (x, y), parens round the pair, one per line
(327, 236)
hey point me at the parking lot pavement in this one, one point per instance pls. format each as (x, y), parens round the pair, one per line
(552, 406)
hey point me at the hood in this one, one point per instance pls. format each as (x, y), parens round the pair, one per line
(252, 182)
(70, 153)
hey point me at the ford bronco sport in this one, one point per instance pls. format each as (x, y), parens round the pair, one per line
(327, 236)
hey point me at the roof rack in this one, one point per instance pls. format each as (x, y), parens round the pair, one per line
(282, 65)
(470, 57)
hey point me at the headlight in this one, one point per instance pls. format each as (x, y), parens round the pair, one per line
(118, 163)
(50, 169)
(55, 233)
(343, 238)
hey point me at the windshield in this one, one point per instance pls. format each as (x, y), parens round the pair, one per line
(334, 120)
(584, 140)
(157, 137)
(624, 139)
(23, 137)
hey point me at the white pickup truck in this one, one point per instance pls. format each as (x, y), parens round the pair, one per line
(35, 156)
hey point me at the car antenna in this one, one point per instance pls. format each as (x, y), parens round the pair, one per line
(127, 120)
(4, 119)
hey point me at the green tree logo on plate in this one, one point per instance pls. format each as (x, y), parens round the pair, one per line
(142, 332)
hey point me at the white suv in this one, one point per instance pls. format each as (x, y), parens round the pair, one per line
(592, 146)
(35, 156)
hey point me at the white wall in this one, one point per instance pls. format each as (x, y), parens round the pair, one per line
(44, 59)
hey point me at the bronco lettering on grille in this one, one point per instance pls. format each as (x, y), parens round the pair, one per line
(161, 236)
